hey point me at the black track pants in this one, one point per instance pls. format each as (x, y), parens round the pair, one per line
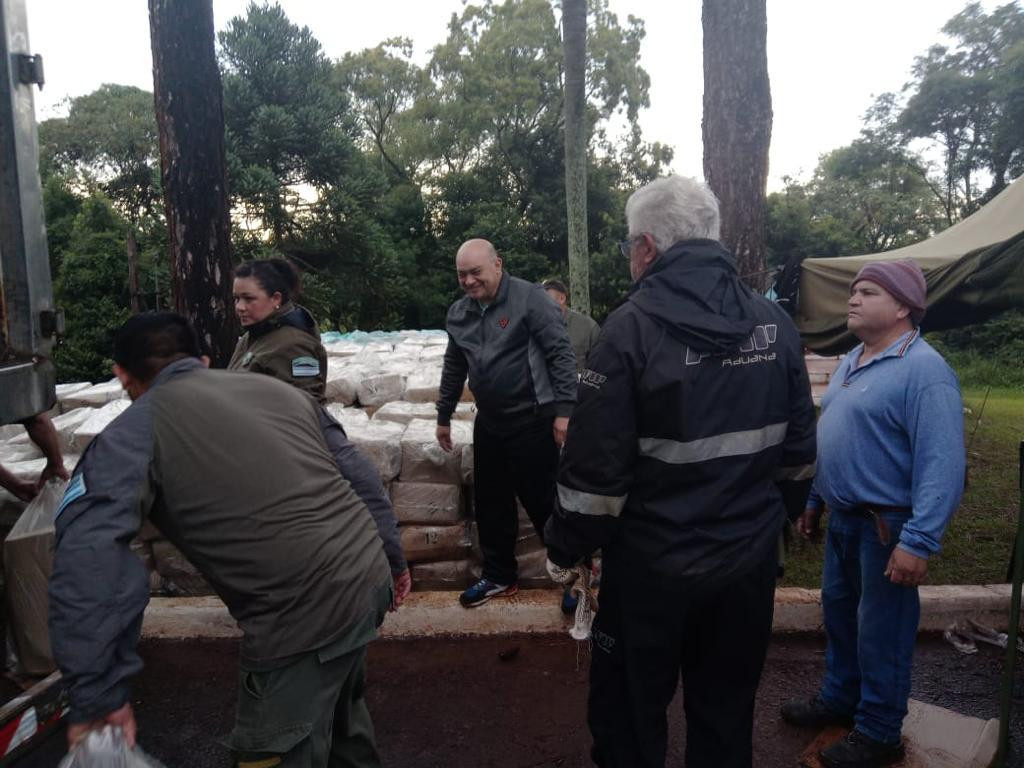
(520, 463)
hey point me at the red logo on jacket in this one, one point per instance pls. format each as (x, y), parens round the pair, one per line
(503, 322)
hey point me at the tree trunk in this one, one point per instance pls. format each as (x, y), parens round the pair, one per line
(132, 247)
(190, 120)
(737, 126)
(574, 48)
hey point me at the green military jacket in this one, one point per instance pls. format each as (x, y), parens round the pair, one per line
(286, 345)
(583, 333)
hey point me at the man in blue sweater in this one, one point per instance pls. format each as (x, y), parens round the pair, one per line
(890, 472)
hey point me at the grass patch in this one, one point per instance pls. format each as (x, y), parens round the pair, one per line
(978, 541)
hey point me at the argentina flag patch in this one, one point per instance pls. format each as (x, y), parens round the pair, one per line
(75, 490)
(305, 367)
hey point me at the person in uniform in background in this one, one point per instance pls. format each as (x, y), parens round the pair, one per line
(507, 336)
(583, 330)
(235, 471)
(281, 338)
(41, 432)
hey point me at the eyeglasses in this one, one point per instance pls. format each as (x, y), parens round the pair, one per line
(626, 246)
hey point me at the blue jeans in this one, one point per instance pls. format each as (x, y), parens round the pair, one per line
(870, 623)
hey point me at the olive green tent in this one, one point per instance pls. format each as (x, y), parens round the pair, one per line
(974, 269)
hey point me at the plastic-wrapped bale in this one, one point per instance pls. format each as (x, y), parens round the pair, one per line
(11, 508)
(465, 412)
(64, 391)
(96, 423)
(67, 423)
(7, 431)
(348, 417)
(341, 349)
(342, 380)
(422, 386)
(445, 574)
(435, 352)
(29, 470)
(64, 425)
(381, 442)
(17, 450)
(95, 396)
(467, 465)
(533, 569)
(531, 554)
(424, 461)
(179, 576)
(426, 543)
(382, 388)
(402, 411)
(371, 361)
(427, 503)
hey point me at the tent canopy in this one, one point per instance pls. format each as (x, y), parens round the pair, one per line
(974, 269)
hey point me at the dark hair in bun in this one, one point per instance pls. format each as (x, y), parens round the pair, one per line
(273, 276)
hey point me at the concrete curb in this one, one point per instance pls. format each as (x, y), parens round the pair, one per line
(536, 611)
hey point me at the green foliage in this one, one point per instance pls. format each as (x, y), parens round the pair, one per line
(368, 173)
(108, 143)
(286, 125)
(866, 197)
(91, 287)
(967, 99)
(986, 354)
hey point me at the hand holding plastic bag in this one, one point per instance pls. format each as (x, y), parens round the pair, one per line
(106, 748)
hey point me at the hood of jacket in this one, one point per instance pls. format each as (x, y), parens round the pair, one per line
(693, 289)
(288, 314)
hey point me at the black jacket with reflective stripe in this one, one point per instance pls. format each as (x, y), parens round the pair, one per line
(516, 352)
(694, 406)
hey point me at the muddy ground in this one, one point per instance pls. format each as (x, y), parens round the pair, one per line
(515, 702)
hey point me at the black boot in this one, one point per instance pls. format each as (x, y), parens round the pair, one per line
(860, 751)
(813, 713)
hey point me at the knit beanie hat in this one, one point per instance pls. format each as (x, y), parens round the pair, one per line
(903, 279)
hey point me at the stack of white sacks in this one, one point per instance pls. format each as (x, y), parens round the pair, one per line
(382, 388)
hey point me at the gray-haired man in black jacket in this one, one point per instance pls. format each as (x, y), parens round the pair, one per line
(694, 414)
(509, 338)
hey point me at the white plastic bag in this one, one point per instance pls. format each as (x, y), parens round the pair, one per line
(106, 749)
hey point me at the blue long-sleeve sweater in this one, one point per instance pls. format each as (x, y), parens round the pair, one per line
(891, 433)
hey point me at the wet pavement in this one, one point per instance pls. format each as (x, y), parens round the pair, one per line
(513, 702)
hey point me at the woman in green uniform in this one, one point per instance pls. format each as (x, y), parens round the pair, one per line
(281, 338)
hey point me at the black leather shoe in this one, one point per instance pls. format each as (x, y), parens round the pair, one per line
(813, 713)
(860, 751)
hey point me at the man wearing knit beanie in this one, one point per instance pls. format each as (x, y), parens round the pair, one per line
(890, 473)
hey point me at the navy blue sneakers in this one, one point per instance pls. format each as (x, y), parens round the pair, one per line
(483, 591)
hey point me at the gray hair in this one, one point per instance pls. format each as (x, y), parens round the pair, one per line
(671, 209)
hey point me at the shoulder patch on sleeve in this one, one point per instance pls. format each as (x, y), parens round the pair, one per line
(305, 367)
(75, 490)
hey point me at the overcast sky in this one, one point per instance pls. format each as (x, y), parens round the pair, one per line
(826, 58)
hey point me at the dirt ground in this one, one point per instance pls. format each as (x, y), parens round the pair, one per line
(513, 702)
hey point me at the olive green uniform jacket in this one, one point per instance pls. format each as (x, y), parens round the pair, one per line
(285, 345)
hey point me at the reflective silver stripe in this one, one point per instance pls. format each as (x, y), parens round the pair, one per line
(803, 472)
(715, 447)
(589, 503)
